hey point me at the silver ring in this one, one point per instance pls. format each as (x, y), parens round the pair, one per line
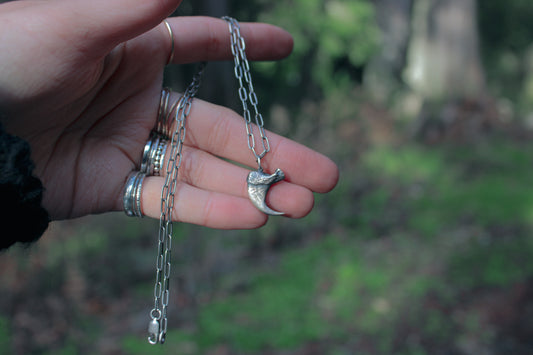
(153, 155)
(171, 34)
(159, 157)
(147, 152)
(163, 125)
(132, 194)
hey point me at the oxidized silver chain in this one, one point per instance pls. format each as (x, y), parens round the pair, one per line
(246, 95)
(157, 328)
(258, 181)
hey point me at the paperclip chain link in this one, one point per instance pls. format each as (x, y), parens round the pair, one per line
(247, 93)
(158, 326)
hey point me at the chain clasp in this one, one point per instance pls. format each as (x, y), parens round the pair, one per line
(153, 332)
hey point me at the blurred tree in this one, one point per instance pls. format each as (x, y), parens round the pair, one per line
(513, 31)
(334, 39)
(393, 18)
(444, 60)
(445, 70)
(384, 72)
(507, 50)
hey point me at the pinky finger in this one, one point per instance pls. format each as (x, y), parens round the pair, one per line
(201, 207)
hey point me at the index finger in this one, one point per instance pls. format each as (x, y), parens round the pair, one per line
(206, 39)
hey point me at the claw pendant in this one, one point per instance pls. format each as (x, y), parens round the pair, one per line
(258, 185)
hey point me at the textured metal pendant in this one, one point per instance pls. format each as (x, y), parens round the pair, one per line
(258, 185)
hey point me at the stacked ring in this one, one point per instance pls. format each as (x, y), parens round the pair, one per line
(153, 155)
(163, 124)
(132, 194)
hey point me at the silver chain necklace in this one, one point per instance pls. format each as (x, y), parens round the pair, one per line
(258, 181)
(157, 327)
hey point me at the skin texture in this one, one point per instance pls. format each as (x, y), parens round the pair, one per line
(81, 82)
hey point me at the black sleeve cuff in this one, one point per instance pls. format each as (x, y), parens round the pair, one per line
(22, 217)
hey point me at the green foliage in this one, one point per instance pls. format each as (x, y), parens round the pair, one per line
(513, 18)
(332, 38)
(449, 192)
(178, 342)
(493, 263)
(278, 311)
(407, 165)
(69, 349)
(507, 51)
(5, 342)
(440, 192)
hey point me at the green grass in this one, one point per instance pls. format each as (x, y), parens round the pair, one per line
(5, 342)
(406, 248)
(492, 263)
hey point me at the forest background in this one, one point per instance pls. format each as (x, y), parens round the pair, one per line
(424, 247)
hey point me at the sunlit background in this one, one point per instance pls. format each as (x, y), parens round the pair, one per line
(424, 247)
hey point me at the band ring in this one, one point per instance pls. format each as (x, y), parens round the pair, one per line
(159, 157)
(132, 194)
(163, 123)
(154, 155)
(171, 34)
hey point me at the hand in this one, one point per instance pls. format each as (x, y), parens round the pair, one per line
(81, 82)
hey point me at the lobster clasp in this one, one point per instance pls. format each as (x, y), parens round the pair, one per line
(153, 332)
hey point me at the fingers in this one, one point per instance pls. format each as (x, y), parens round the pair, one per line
(98, 26)
(222, 132)
(197, 206)
(209, 173)
(209, 186)
(208, 39)
(215, 209)
(213, 192)
(95, 27)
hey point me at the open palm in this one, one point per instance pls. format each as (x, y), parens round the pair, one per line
(84, 86)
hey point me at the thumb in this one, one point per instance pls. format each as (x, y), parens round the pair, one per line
(98, 26)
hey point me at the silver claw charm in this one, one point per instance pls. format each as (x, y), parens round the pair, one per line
(258, 185)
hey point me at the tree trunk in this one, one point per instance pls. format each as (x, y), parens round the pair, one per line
(443, 59)
(445, 71)
(394, 20)
(383, 75)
